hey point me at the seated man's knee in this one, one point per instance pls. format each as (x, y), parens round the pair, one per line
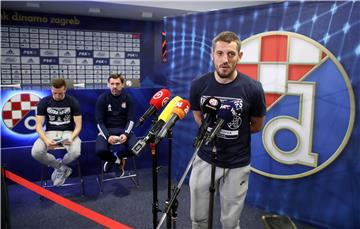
(76, 153)
(128, 153)
(36, 152)
(75, 150)
(101, 153)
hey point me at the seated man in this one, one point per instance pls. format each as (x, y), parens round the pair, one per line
(63, 125)
(114, 114)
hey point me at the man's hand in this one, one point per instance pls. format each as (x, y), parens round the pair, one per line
(67, 142)
(113, 139)
(51, 144)
(123, 138)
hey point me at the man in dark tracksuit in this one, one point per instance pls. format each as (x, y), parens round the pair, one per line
(114, 118)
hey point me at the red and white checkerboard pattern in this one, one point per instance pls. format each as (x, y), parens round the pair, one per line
(17, 107)
(274, 58)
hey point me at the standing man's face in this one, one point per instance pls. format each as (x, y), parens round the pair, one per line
(115, 86)
(225, 57)
(58, 94)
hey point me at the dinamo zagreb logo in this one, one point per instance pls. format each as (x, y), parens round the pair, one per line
(18, 113)
(310, 104)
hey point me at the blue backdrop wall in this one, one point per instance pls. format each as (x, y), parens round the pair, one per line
(319, 184)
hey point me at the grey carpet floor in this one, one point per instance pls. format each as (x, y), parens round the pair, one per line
(121, 201)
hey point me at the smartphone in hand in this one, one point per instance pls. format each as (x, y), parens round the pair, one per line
(60, 141)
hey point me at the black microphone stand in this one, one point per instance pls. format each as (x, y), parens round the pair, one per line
(212, 187)
(171, 217)
(176, 190)
(154, 156)
(155, 206)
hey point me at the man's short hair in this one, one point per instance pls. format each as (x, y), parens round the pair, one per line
(116, 76)
(227, 36)
(58, 83)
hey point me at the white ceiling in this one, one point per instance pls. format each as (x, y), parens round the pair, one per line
(135, 10)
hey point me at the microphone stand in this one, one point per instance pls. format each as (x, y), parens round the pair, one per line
(212, 187)
(171, 218)
(155, 205)
(176, 191)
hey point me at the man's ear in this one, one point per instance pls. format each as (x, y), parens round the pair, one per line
(240, 54)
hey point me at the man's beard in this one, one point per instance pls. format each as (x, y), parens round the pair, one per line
(115, 92)
(224, 76)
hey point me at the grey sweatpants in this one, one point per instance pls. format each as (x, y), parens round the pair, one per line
(232, 185)
(39, 150)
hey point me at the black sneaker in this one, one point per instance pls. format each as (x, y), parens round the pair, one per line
(108, 166)
(121, 167)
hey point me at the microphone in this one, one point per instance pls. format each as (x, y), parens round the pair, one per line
(179, 111)
(155, 129)
(158, 100)
(210, 107)
(225, 114)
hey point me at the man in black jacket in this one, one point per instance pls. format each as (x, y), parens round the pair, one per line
(114, 118)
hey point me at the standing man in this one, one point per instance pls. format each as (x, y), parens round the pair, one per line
(114, 118)
(233, 141)
(63, 125)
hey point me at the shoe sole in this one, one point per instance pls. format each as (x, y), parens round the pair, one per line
(107, 167)
(104, 168)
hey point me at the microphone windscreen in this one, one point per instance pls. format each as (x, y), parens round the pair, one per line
(160, 98)
(181, 108)
(166, 113)
(226, 111)
(211, 105)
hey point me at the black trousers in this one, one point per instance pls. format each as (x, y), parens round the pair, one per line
(105, 151)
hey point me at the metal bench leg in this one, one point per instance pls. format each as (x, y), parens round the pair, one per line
(135, 179)
(44, 180)
(81, 178)
(101, 177)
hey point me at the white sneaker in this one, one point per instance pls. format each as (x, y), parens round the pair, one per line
(54, 174)
(61, 175)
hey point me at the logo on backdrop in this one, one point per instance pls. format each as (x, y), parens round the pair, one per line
(310, 104)
(18, 113)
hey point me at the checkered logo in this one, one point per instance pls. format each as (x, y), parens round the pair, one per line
(18, 113)
(308, 96)
(276, 59)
